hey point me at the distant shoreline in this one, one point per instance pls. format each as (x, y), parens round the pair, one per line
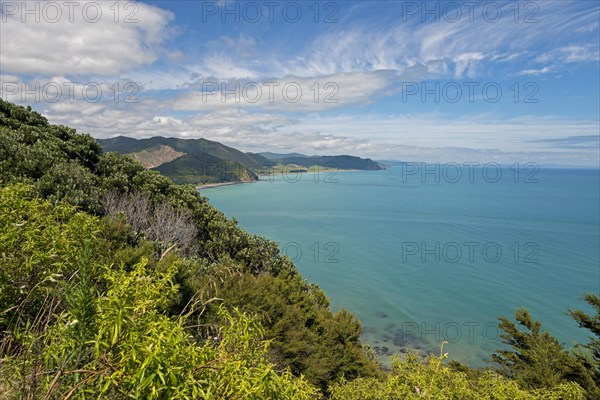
(322, 171)
(216, 185)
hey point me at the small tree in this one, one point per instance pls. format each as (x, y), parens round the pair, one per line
(591, 323)
(536, 359)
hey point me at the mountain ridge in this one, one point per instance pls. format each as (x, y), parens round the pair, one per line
(202, 161)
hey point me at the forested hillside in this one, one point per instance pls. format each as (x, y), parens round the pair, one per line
(201, 161)
(117, 283)
(188, 161)
(337, 162)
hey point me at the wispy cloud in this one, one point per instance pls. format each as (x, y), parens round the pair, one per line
(571, 54)
(534, 72)
(589, 142)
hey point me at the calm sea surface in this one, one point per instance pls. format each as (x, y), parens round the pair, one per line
(421, 258)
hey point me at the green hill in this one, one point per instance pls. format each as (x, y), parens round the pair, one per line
(126, 145)
(336, 162)
(197, 168)
(157, 155)
(278, 156)
(198, 161)
(261, 160)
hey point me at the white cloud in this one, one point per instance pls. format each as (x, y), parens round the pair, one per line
(433, 137)
(291, 93)
(55, 90)
(533, 72)
(571, 54)
(508, 57)
(464, 48)
(71, 43)
(424, 137)
(159, 122)
(467, 62)
(84, 110)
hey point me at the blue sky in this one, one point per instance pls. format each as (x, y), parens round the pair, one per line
(421, 81)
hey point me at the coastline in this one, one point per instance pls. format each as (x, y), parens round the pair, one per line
(325, 171)
(219, 184)
(215, 185)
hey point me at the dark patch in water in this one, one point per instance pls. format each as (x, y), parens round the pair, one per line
(390, 327)
(405, 339)
(367, 329)
(399, 341)
(382, 351)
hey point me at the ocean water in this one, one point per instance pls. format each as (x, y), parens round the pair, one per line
(421, 254)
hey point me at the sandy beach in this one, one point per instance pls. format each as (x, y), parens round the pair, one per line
(214, 185)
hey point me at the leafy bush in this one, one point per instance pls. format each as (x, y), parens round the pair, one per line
(41, 247)
(306, 337)
(415, 378)
(76, 326)
(71, 183)
(56, 157)
(131, 349)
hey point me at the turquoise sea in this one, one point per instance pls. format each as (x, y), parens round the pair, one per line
(422, 256)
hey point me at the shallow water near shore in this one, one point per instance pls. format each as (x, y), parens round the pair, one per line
(421, 259)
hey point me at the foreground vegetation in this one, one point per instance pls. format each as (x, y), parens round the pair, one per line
(117, 283)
